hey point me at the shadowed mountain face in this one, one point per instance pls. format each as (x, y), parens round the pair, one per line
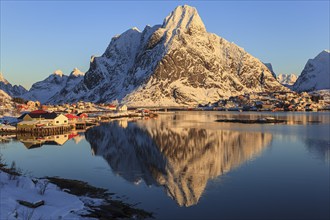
(11, 90)
(180, 159)
(315, 75)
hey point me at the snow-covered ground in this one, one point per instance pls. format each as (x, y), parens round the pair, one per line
(57, 203)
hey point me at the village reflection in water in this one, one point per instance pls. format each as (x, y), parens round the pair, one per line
(180, 159)
(30, 141)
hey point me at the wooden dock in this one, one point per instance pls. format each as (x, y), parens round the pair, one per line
(45, 131)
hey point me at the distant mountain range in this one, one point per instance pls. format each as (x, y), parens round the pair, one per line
(13, 91)
(287, 79)
(176, 63)
(54, 85)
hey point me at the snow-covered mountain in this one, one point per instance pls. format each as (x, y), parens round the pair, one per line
(176, 63)
(169, 154)
(11, 90)
(53, 85)
(287, 79)
(74, 79)
(6, 104)
(315, 75)
(46, 88)
(4, 96)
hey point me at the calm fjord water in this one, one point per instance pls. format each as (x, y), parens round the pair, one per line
(187, 166)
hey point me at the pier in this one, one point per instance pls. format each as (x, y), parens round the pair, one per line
(44, 131)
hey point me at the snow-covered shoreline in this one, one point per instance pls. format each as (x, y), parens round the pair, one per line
(57, 203)
(66, 199)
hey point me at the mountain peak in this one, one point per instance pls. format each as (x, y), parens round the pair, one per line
(184, 17)
(287, 79)
(58, 73)
(176, 63)
(76, 72)
(2, 79)
(9, 88)
(315, 75)
(323, 56)
(135, 29)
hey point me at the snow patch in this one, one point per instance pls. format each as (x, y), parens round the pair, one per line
(58, 73)
(58, 204)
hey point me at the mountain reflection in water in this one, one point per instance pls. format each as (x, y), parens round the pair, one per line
(181, 159)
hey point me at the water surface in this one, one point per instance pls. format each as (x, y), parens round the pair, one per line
(187, 166)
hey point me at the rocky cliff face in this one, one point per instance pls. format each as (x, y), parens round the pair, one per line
(315, 75)
(176, 63)
(169, 154)
(13, 91)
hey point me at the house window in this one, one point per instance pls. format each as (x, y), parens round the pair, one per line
(57, 122)
(65, 121)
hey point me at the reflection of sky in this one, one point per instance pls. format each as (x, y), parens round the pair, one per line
(290, 174)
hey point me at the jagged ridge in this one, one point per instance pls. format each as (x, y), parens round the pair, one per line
(8, 88)
(176, 63)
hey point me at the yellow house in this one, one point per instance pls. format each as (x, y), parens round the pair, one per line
(41, 118)
(122, 108)
(61, 139)
(61, 120)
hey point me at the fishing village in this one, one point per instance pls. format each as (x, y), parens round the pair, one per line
(44, 120)
(21, 116)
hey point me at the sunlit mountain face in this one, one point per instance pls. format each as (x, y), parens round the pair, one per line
(164, 152)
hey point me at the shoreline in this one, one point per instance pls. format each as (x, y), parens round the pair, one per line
(56, 197)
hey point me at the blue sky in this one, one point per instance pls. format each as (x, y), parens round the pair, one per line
(38, 37)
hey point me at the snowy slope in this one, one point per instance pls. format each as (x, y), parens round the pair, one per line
(176, 63)
(75, 77)
(287, 79)
(4, 95)
(315, 75)
(54, 86)
(43, 90)
(10, 89)
(58, 204)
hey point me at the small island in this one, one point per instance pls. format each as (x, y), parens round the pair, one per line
(265, 120)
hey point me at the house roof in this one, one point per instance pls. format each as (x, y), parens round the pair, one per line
(82, 114)
(22, 116)
(71, 116)
(46, 115)
(39, 114)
